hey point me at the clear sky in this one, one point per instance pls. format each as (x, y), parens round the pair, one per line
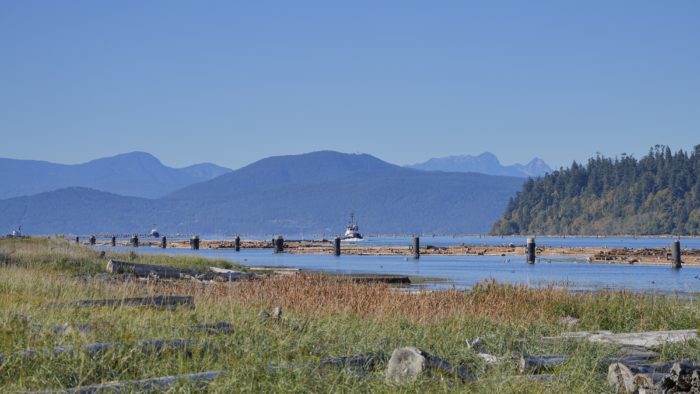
(234, 81)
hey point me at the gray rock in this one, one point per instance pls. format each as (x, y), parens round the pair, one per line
(406, 365)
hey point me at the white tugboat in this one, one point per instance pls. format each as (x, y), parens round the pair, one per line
(352, 232)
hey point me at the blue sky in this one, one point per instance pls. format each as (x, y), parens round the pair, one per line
(234, 81)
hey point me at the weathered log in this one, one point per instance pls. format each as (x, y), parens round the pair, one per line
(538, 364)
(146, 270)
(630, 379)
(648, 340)
(147, 385)
(444, 366)
(383, 279)
(546, 363)
(365, 362)
(671, 377)
(155, 301)
(227, 274)
(683, 377)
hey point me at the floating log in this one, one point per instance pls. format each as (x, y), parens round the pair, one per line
(155, 301)
(383, 279)
(146, 385)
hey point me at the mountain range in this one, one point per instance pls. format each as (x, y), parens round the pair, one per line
(308, 193)
(485, 163)
(132, 174)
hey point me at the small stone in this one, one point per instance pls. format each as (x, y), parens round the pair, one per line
(405, 365)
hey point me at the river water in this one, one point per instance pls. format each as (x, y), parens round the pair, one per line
(464, 271)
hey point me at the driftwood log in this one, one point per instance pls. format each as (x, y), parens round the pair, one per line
(168, 301)
(546, 363)
(663, 378)
(648, 340)
(146, 385)
(146, 270)
(365, 362)
(165, 272)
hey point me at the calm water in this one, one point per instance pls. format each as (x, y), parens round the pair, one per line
(465, 271)
(610, 242)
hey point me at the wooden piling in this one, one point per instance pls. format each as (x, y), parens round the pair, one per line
(676, 254)
(237, 244)
(134, 241)
(336, 246)
(416, 247)
(279, 244)
(163, 242)
(531, 251)
(194, 242)
(114, 241)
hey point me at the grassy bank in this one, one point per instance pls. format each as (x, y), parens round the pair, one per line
(322, 317)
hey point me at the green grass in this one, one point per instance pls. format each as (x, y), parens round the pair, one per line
(321, 317)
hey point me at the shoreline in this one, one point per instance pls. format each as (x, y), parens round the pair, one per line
(594, 255)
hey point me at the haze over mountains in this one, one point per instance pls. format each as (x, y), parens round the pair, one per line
(308, 193)
(131, 174)
(485, 163)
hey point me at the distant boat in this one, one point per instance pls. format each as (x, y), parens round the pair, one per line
(154, 232)
(17, 233)
(352, 231)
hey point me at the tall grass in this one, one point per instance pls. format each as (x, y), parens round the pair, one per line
(323, 316)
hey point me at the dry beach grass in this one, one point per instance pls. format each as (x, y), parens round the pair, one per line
(322, 316)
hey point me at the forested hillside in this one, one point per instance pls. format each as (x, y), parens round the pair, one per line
(657, 194)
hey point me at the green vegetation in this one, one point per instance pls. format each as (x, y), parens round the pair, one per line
(658, 194)
(322, 317)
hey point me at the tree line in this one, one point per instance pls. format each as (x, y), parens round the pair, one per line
(657, 194)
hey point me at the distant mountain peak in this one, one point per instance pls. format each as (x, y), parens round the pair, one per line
(135, 173)
(485, 163)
